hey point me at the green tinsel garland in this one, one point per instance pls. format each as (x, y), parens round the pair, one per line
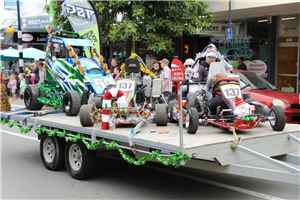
(172, 160)
(49, 89)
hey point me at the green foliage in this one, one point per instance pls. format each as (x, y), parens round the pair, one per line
(155, 23)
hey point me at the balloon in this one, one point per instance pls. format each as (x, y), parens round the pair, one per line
(10, 30)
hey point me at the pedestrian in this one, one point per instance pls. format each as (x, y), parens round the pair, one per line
(36, 74)
(5, 105)
(156, 70)
(28, 76)
(115, 62)
(189, 72)
(22, 85)
(32, 74)
(202, 72)
(166, 76)
(242, 65)
(116, 73)
(13, 85)
(41, 72)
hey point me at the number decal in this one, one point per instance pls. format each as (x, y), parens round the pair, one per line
(231, 91)
(125, 85)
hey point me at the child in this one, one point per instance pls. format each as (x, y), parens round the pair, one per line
(13, 85)
(22, 85)
(216, 100)
(116, 73)
(32, 75)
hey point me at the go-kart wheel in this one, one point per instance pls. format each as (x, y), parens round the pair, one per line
(31, 94)
(192, 120)
(191, 100)
(97, 101)
(170, 112)
(85, 115)
(278, 118)
(161, 114)
(71, 103)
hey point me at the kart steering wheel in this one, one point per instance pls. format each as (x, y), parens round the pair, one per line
(218, 81)
(108, 87)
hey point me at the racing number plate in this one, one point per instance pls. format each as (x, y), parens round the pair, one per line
(231, 90)
(125, 85)
(101, 83)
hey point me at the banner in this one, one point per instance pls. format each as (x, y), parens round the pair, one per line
(85, 21)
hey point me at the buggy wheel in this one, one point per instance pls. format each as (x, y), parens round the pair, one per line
(191, 100)
(277, 120)
(31, 94)
(85, 97)
(170, 112)
(161, 114)
(85, 115)
(80, 161)
(52, 150)
(97, 101)
(192, 120)
(71, 103)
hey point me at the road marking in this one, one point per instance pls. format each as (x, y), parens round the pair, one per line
(222, 185)
(19, 135)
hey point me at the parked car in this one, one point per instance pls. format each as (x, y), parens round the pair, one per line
(264, 92)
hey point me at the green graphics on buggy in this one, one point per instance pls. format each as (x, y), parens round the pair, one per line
(68, 66)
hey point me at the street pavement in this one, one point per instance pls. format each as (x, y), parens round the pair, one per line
(23, 176)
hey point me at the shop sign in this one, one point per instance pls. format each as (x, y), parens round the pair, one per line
(177, 71)
(12, 5)
(241, 49)
(258, 67)
(35, 22)
(31, 37)
(216, 28)
(290, 27)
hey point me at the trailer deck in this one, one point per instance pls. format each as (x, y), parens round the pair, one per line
(208, 144)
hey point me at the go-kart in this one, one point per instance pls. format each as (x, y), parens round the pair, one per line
(73, 72)
(231, 115)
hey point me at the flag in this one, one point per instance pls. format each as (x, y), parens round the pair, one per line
(51, 13)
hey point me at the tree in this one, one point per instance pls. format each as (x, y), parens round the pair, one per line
(155, 23)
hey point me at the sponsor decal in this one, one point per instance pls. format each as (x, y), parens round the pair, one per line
(79, 12)
(26, 37)
(258, 67)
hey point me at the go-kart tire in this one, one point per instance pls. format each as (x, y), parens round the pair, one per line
(170, 111)
(278, 123)
(191, 100)
(31, 94)
(80, 161)
(249, 100)
(192, 120)
(85, 97)
(161, 114)
(52, 152)
(71, 103)
(85, 115)
(97, 101)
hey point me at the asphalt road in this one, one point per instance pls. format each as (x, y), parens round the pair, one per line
(23, 176)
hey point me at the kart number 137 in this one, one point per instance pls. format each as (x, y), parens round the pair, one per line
(125, 86)
(231, 92)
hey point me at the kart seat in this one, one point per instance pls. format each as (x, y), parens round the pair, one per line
(214, 68)
(132, 65)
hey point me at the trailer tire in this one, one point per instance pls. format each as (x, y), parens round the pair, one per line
(85, 115)
(80, 161)
(278, 123)
(171, 106)
(97, 101)
(71, 103)
(192, 120)
(52, 149)
(161, 114)
(191, 100)
(31, 94)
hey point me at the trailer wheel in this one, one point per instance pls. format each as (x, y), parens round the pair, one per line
(85, 115)
(80, 161)
(52, 152)
(171, 117)
(192, 120)
(191, 100)
(161, 114)
(71, 103)
(278, 118)
(97, 101)
(31, 94)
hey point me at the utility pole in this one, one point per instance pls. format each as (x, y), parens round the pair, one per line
(20, 43)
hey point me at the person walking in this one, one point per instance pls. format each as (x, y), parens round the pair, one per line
(13, 85)
(202, 72)
(22, 85)
(242, 65)
(166, 76)
(5, 104)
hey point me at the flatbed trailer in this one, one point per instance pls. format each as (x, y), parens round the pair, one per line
(209, 149)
